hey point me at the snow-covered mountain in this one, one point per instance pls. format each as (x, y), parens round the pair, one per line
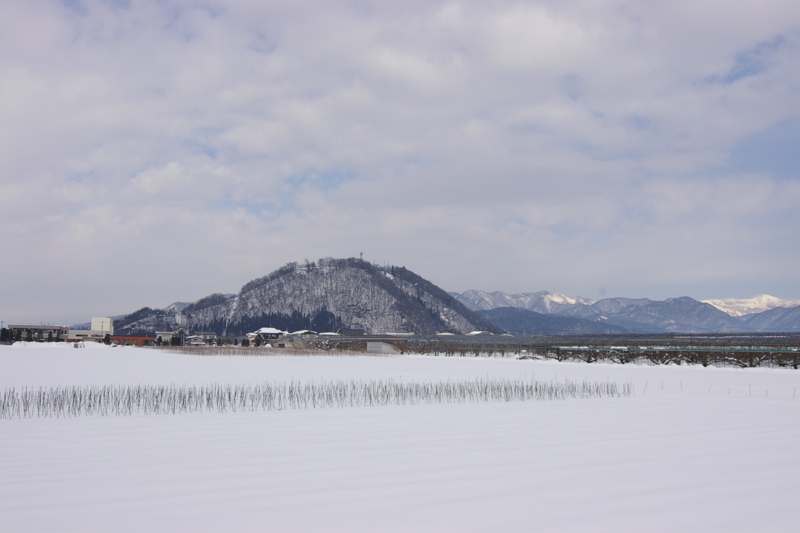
(748, 306)
(641, 315)
(638, 315)
(177, 307)
(331, 293)
(335, 293)
(777, 319)
(521, 321)
(541, 302)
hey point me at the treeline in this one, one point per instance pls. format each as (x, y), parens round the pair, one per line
(737, 357)
(322, 320)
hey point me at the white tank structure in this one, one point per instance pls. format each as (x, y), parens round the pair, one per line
(102, 326)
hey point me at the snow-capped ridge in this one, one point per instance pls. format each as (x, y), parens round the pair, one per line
(748, 306)
(541, 301)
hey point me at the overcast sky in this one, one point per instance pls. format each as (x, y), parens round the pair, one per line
(155, 151)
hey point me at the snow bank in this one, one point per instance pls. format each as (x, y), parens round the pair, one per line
(679, 457)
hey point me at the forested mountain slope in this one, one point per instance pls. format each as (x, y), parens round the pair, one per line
(329, 294)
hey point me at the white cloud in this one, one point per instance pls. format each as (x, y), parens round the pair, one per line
(178, 149)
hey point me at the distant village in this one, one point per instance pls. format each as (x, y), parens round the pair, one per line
(744, 350)
(102, 330)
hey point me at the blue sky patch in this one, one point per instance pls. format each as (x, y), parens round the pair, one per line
(752, 62)
(775, 151)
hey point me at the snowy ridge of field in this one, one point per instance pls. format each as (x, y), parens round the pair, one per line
(700, 449)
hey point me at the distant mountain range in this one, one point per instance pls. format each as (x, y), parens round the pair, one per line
(749, 306)
(761, 313)
(776, 319)
(354, 294)
(541, 302)
(520, 321)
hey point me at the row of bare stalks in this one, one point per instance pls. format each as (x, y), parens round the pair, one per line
(111, 400)
(254, 351)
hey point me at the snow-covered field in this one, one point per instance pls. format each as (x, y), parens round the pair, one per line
(696, 449)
